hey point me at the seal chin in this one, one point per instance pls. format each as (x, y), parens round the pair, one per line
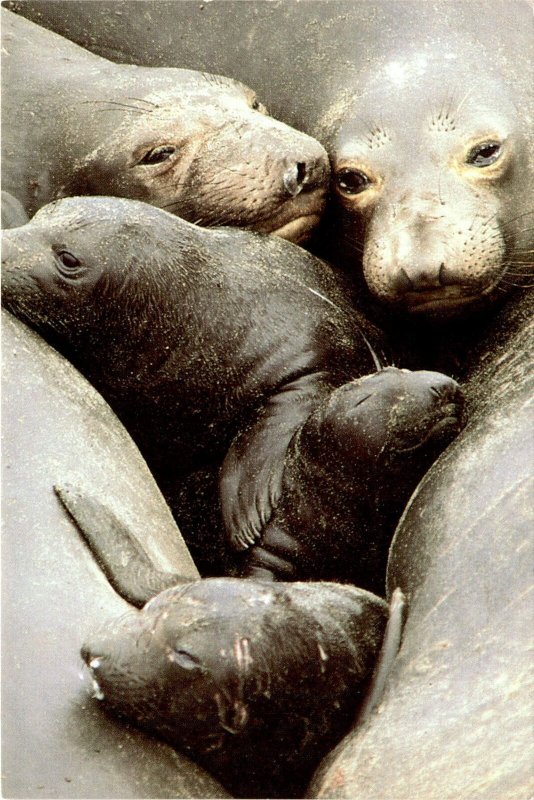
(446, 301)
(297, 218)
(298, 230)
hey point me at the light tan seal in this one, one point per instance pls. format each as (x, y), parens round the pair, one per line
(432, 166)
(199, 145)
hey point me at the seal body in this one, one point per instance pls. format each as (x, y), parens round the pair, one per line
(425, 110)
(54, 742)
(199, 145)
(214, 347)
(253, 680)
(460, 693)
(349, 472)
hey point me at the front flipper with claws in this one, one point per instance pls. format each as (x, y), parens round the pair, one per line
(251, 474)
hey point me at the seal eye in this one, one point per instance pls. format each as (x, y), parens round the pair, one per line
(184, 659)
(483, 155)
(352, 181)
(257, 106)
(158, 154)
(69, 265)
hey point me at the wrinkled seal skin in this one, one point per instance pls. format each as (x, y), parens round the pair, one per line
(253, 680)
(214, 347)
(426, 112)
(460, 692)
(199, 145)
(55, 743)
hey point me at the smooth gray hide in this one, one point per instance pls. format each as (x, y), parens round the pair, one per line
(56, 742)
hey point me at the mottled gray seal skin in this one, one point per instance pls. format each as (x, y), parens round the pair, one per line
(200, 145)
(54, 742)
(214, 347)
(425, 109)
(253, 680)
(456, 718)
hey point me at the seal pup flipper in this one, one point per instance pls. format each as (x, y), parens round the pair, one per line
(251, 474)
(349, 471)
(120, 556)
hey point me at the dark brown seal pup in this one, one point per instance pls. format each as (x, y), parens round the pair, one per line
(253, 680)
(215, 347)
(55, 743)
(199, 145)
(348, 473)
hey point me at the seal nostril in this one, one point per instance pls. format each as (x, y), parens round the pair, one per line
(441, 274)
(403, 282)
(294, 178)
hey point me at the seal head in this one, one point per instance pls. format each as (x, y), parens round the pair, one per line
(253, 680)
(432, 171)
(200, 145)
(212, 346)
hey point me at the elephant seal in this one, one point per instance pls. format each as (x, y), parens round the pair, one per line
(57, 428)
(161, 325)
(460, 691)
(197, 144)
(349, 471)
(253, 680)
(426, 112)
(432, 169)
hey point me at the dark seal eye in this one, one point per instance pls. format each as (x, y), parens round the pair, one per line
(69, 265)
(184, 659)
(482, 155)
(158, 154)
(257, 106)
(351, 181)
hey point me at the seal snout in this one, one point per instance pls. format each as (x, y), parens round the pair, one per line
(419, 276)
(92, 664)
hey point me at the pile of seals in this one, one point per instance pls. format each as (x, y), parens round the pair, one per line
(251, 375)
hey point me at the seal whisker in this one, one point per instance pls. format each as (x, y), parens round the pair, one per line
(352, 244)
(148, 102)
(117, 104)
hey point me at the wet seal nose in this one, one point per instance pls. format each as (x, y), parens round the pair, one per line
(295, 178)
(420, 277)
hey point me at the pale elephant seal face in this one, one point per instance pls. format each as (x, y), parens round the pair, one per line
(209, 153)
(431, 169)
